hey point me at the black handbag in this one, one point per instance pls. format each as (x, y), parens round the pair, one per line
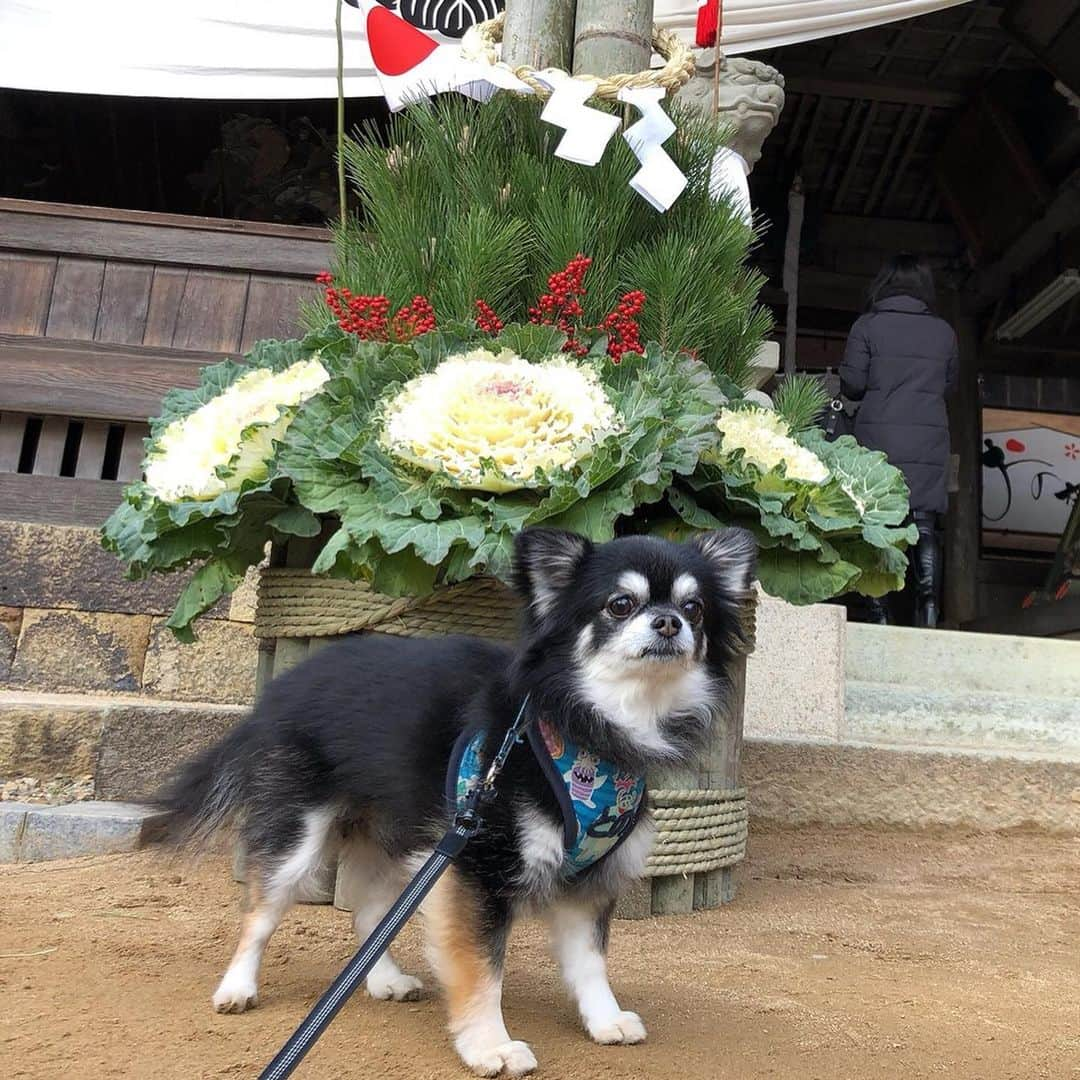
(840, 418)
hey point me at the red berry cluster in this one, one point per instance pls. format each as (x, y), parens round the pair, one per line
(621, 326)
(417, 317)
(486, 319)
(561, 306)
(368, 317)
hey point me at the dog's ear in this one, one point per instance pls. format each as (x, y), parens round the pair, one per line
(733, 554)
(545, 562)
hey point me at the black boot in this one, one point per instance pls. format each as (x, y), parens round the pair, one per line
(927, 566)
(877, 610)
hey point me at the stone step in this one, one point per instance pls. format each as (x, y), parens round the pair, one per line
(803, 783)
(959, 661)
(129, 744)
(949, 717)
(33, 833)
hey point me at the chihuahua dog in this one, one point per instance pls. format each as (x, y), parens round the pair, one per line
(361, 755)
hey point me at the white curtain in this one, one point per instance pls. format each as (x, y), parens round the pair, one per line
(286, 49)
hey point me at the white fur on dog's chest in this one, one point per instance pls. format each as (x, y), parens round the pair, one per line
(638, 704)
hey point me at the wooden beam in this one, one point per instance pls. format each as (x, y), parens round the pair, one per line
(824, 289)
(905, 159)
(57, 500)
(84, 379)
(167, 239)
(809, 81)
(886, 162)
(963, 522)
(1060, 216)
(888, 234)
(856, 153)
(855, 110)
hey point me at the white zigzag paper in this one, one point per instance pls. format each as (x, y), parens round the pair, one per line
(659, 181)
(588, 131)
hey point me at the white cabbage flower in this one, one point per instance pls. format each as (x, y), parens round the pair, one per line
(207, 452)
(765, 440)
(491, 420)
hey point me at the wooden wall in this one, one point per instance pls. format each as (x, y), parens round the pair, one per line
(101, 312)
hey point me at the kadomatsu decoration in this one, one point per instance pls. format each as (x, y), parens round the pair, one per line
(452, 390)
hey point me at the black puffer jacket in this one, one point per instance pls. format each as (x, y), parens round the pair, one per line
(900, 362)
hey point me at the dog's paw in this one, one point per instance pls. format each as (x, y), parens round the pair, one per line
(398, 987)
(235, 995)
(623, 1028)
(512, 1058)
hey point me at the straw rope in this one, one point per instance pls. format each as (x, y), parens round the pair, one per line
(481, 41)
(297, 603)
(698, 830)
(294, 603)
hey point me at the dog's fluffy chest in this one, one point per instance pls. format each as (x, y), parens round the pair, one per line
(638, 706)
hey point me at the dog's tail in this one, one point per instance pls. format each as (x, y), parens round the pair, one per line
(208, 791)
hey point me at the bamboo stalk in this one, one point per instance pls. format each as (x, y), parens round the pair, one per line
(538, 33)
(610, 38)
(340, 112)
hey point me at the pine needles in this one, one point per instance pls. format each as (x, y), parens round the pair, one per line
(800, 400)
(468, 202)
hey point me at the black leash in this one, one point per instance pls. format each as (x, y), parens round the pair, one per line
(467, 823)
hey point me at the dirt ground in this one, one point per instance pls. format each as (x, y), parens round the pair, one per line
(848, 954)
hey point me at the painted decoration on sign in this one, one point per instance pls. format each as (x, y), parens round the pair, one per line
(1030, 474)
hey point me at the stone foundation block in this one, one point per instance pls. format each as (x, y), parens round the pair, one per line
(48, 735)
(58, 566)
(219, 666)
(142, 746)
(10, 622)
(80, 651)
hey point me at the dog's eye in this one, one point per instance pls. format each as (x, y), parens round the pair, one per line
(621, 606)
(693, 611)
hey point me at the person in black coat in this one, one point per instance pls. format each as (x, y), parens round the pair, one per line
(900, 361)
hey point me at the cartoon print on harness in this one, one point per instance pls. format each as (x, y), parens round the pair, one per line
(616, 819)
(584, 779)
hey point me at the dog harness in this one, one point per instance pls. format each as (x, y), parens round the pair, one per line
(600, 804)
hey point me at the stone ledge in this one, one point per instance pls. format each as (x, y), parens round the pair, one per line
(128, 743)
(33, 833)
(804, 783)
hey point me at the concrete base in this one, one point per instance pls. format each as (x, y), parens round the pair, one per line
(34, 833)
(795, 675)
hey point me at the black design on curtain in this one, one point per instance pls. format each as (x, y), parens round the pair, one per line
(449, 17)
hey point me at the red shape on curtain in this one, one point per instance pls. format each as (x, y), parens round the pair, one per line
(709, 23)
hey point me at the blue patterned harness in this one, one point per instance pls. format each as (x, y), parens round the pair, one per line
(600, 804)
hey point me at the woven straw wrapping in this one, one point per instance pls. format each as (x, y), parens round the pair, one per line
(297, 603)
(482, 39)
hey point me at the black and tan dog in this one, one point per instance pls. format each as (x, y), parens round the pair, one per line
(624, 656)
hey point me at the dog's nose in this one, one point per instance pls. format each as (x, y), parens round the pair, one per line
(667, 625)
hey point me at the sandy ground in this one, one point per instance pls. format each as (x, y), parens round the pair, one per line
(850, 954)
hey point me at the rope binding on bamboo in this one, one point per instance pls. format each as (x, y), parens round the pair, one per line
(481, 42)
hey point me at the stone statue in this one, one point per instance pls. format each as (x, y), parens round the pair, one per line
(751, 98)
